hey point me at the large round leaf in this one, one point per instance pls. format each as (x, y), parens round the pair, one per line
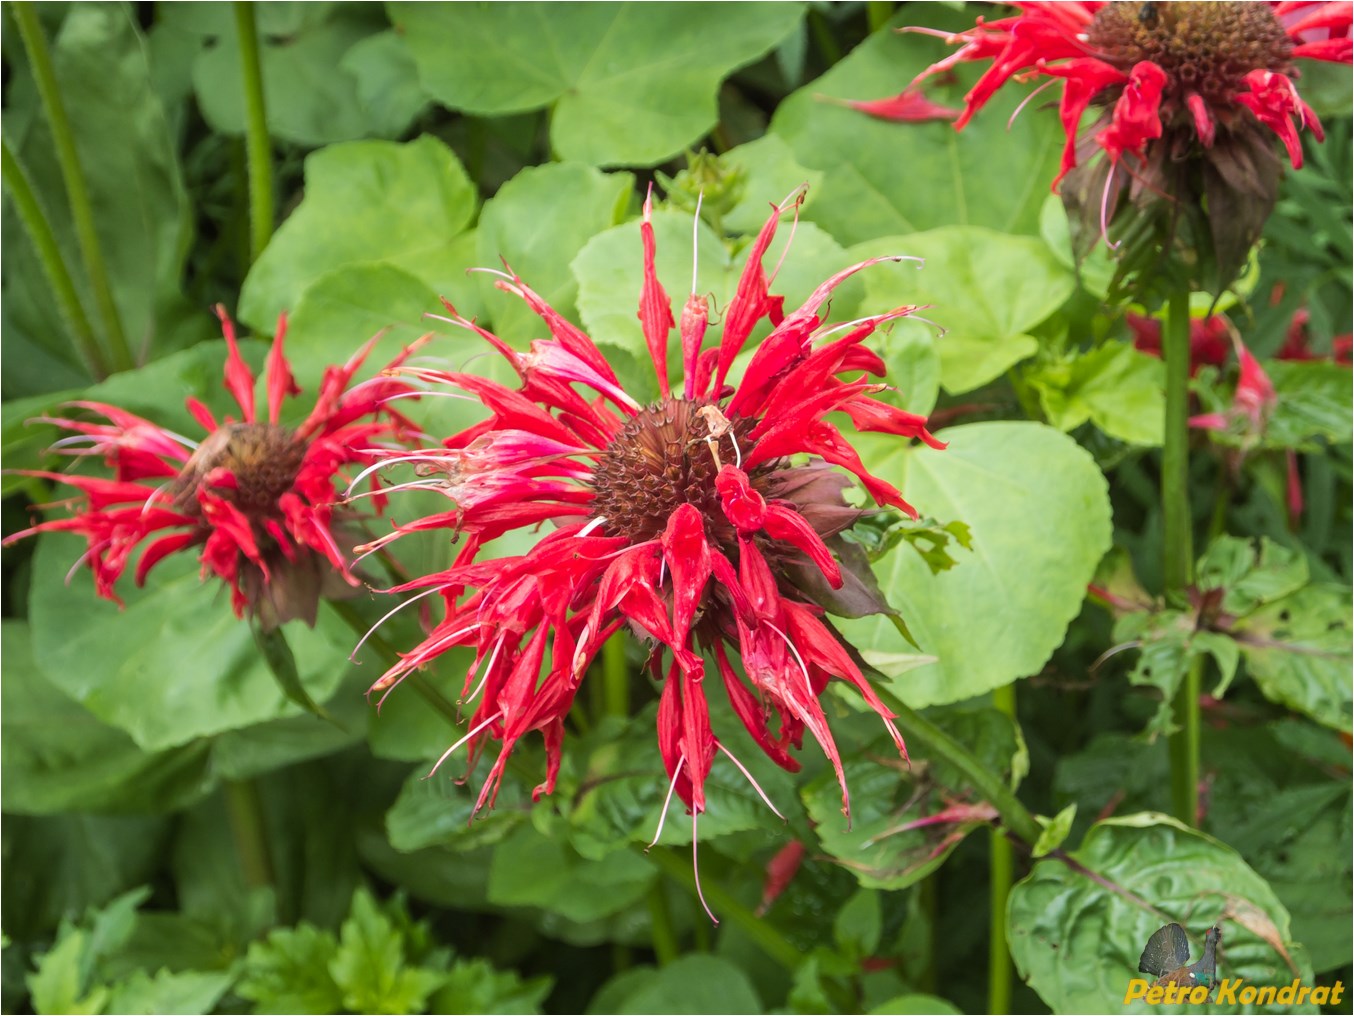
(1039, 513)
(1077, 925)
(406, 205)
(631, 84)
(986, 289)
(537, 222)
(58, 757)
(175, 664)
(898, 177)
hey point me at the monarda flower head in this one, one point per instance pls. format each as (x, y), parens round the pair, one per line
(707, 521)
(255, 498)
(1190, 96)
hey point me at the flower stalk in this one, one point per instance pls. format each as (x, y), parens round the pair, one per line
(244, 810)
(40, 232)
(1001, 871)
(77, 192)
(1177, 539)
(257, 147)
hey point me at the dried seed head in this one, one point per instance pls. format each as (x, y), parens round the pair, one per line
(263, 458)
(1203, 47)
(669, 454)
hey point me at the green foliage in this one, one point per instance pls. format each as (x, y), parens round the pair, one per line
(182, 834)
(1078, 922)
(628, 84)
(999, 614)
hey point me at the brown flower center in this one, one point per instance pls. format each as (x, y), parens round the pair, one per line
(665, 456)
(1203, 47)
(264, 459)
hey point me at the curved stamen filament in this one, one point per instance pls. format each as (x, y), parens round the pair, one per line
(663, 815)
(398, 607)
(755, 785)
(447, 754)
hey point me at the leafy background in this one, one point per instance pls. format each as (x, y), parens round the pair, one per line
(412, 141)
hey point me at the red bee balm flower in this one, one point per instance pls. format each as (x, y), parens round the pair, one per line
(1191, 96)
(1159, 66)
(707, 520)
(256, 496)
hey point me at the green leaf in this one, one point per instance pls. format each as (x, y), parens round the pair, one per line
(770, 172)
(1275, 796)
(437, 811)
(1037, 507)
(1077, 929)
(59, 865)
(613, 788)
(914, 1005)
(610, 270)
(141, 211)
(325, 77)
(691, 984)
(475, 986)
(404, 205)
(986, 289)
(1313, 402)
(536, 223)
(885, 178)
(188, 991)
(905, 820)
(858, 924)
(1056, 830)
(627, 83)
(371, 967)
(58, 757)
(129, 667)
(531, 870)
(1298, 651)
(1116, 387)
(289, 972)
(342, 309)
(58, 985)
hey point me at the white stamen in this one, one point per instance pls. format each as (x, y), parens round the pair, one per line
(1026, 101)
(695, 240)
(696, 870)
(446, 754)
(372, 630)
(1104, 208)
(755, 786)
(587, 530)
(798, 659)
(663, 815)
(488, 669)
(420, 457)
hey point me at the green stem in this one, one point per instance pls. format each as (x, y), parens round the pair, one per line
(990, 786)
(928, 900)
(878, 12)
(762, 933)
(49, 254)
(77, 193)
(660, 917)
(1001, 867)
(244, 809)
(258, 148)
(615, 677)
(1177, 538)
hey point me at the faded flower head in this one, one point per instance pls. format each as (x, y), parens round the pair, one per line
(706, 521)
(1190, 97)
(257, 497)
